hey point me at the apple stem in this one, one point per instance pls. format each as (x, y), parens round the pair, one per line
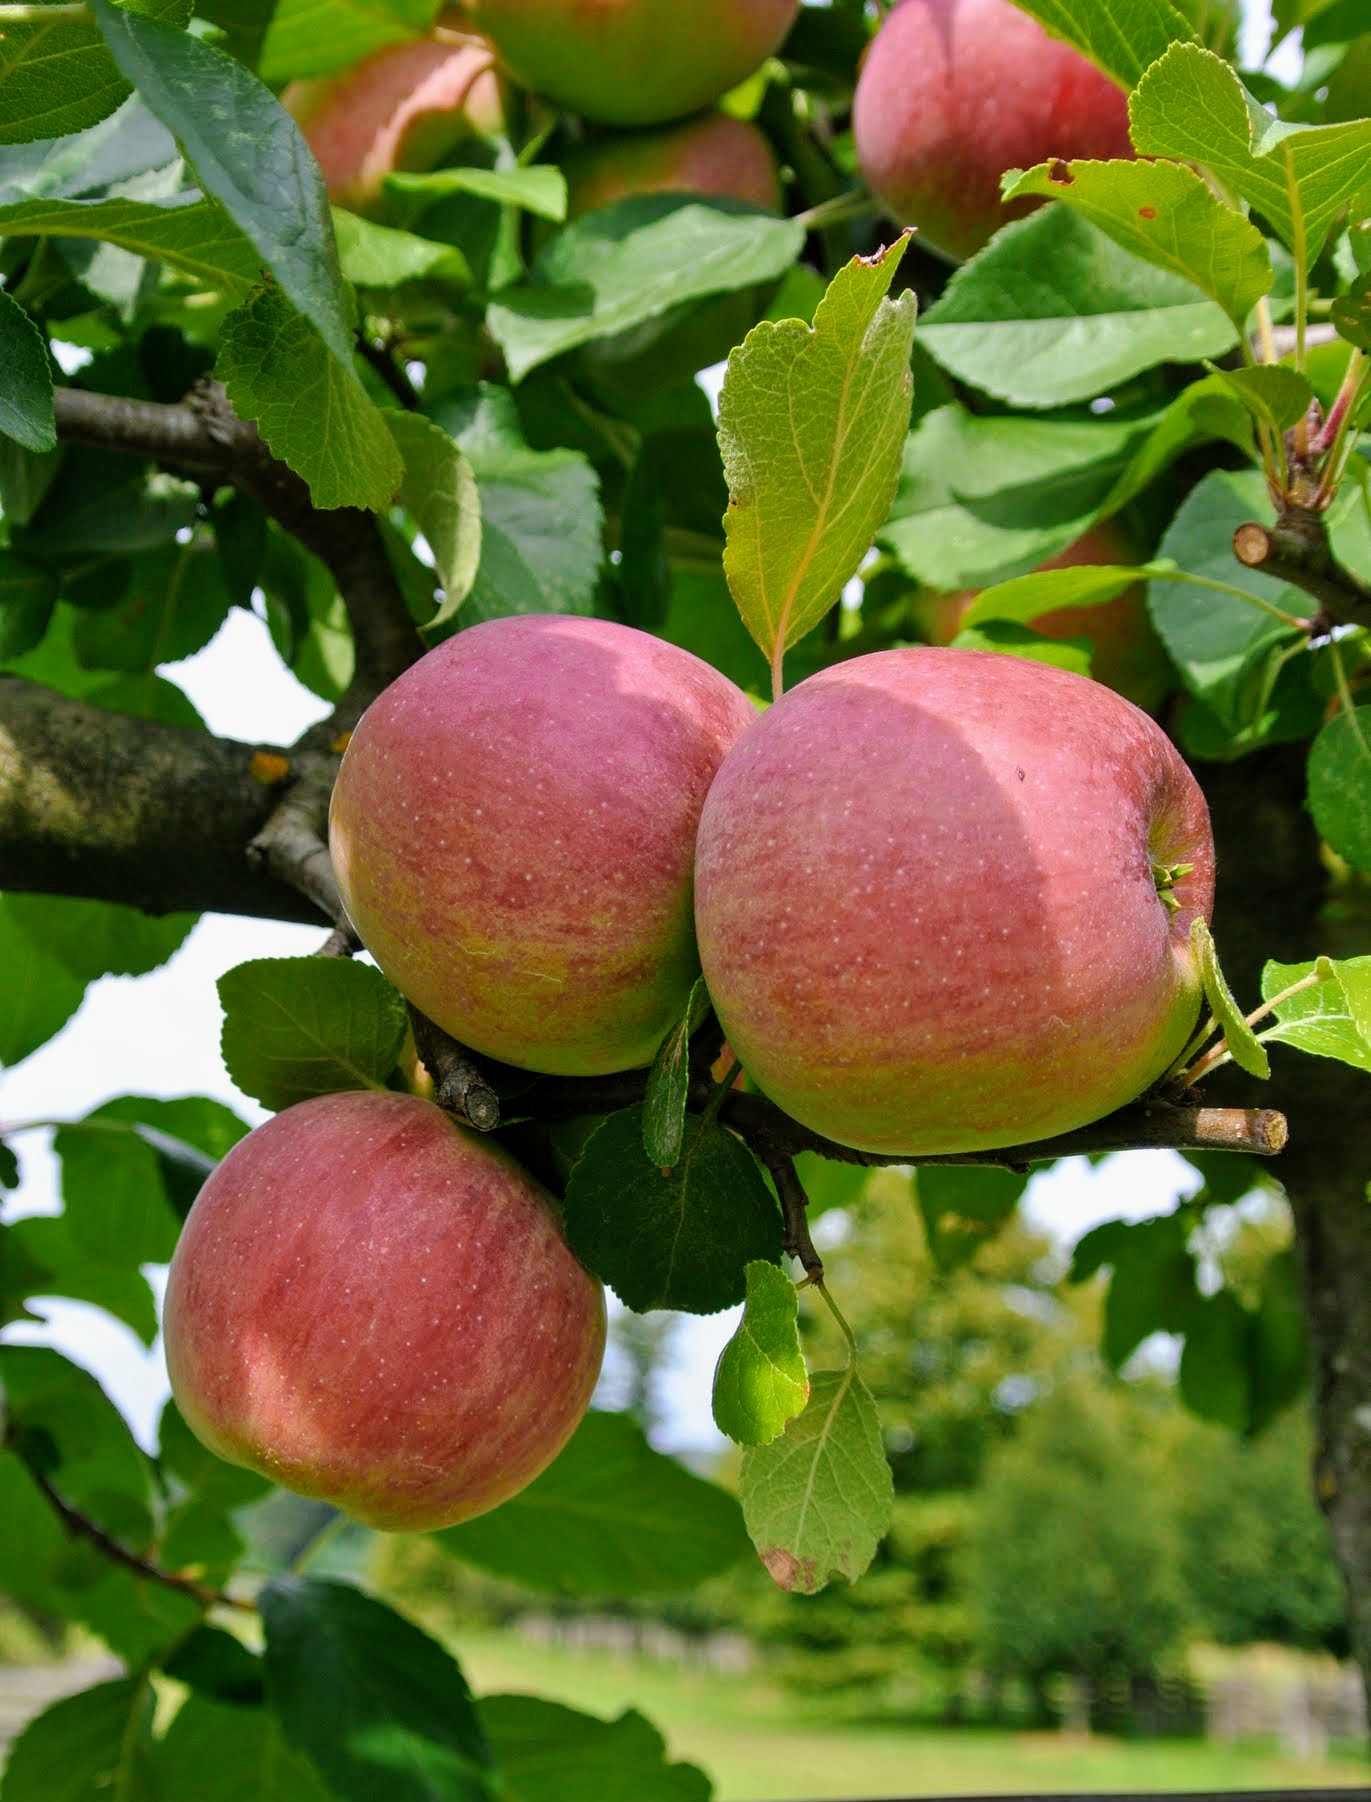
(720, 1094)
(837, 1314)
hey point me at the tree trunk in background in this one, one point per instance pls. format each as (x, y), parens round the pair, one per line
(1274, 901)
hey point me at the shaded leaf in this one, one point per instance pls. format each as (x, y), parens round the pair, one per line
(963, 1208)
(1340, 785)
(216, 1751)
(25, 380)
(550, 1753)
(664, 1104)
(89, 1745)
(439, 494)
(1121, 36)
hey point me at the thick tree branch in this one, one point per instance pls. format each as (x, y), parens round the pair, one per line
(204, 436)
(458, 1083)
(1296, 550)
(112, 808)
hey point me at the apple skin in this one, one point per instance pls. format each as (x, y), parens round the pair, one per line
(715, 155)
(1127, 655)
(634, 62)
(925, 903)
(513, 829)
(374, 1307)
(954, 92)
(404, 107)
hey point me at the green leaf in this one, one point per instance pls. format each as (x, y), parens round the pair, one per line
(550, 1753)
(962, 1208)
(1214, 639)
(175, 604)
(301, 1026)
(249, 155)
(1351, 314)
(116, 1206)
(314, 37)
(218, 1751)
(541, 518)
(1242, 1043)
(538, 188)
(1025, 597)
(1165, 214)
(1121, 36)
(86, 1448)
(379, 1707)
(27, 595)
(760, 1381)
(631, 262)
(1153, 1287)
(439, 493)
(57, 77)
(608, 1517)
(984, 497)
(679, 1240)
(41, 1257)
(812, 422)
(1190, 106)
(379, 256)
(195, 237)
(1274, 394)
(818, 1500)
(25, 380)
(1331, 1018)
(215, 1664)
(1013, 640)
(1215, 1377)
(204, 1475)
(309, 407)
(1340, 785)
(664, 1104)
(90, 1745)
(40, 994)
(99, 938)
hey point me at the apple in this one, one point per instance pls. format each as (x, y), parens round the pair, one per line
(1126, 653)
(404, 107)
(713, 155)
(372, 1306)
(954, 92)
(943, 901)
(513, 830)
(634, 62)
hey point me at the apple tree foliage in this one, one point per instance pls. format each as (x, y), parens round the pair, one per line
(376, 432)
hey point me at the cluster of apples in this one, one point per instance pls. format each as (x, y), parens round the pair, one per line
(942, 900)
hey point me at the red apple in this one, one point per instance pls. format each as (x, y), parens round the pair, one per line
(1126, 653)
(937, 901)
(713, 155)
(954, 92)
(513, 828)
(634, 62)
(404, 107)
(372, 1306)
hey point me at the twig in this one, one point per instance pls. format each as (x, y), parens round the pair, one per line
(341, 942)
(794, 1202)
(293, 844)
(81, 1526)
(459, 1085)
(1296, 550)
(390, 372)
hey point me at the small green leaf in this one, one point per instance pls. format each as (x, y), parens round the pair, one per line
(538, 188)
(818, 1500)
(42, 1257)
(41, 994)
(25, 380)
(812, 422)
(664, 1104)
(760, 1381)
(99, 938)
(679, 1240)
(27, 596)
(1340, 785)
(215, 1664)
(550, 1753)
(379, 256)
(1191, 107)
(1025, 597)
(439, 494)
(197, 239)
(1243, 1046)
(1165, 214)
(1153, 1287)
(1274, 394)
(1215, 1375)
(1121, 36)
(279, 372)
(249, 155)
(116, 1205)
(379, 1707)
(541, 518)
(92, 1744)
(1332, 1017)
(636, 260)
(301, 1026)
(226, 1751)
(1351, 314)
(608, 1517)
(181, 1453)
(963, 1208)
(1014, 640)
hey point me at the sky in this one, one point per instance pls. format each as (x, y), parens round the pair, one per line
(158, 1035)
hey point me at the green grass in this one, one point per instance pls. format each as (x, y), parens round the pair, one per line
(761, 1744)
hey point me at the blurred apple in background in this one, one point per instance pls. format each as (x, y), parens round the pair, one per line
(714, 155)
(954, 92)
